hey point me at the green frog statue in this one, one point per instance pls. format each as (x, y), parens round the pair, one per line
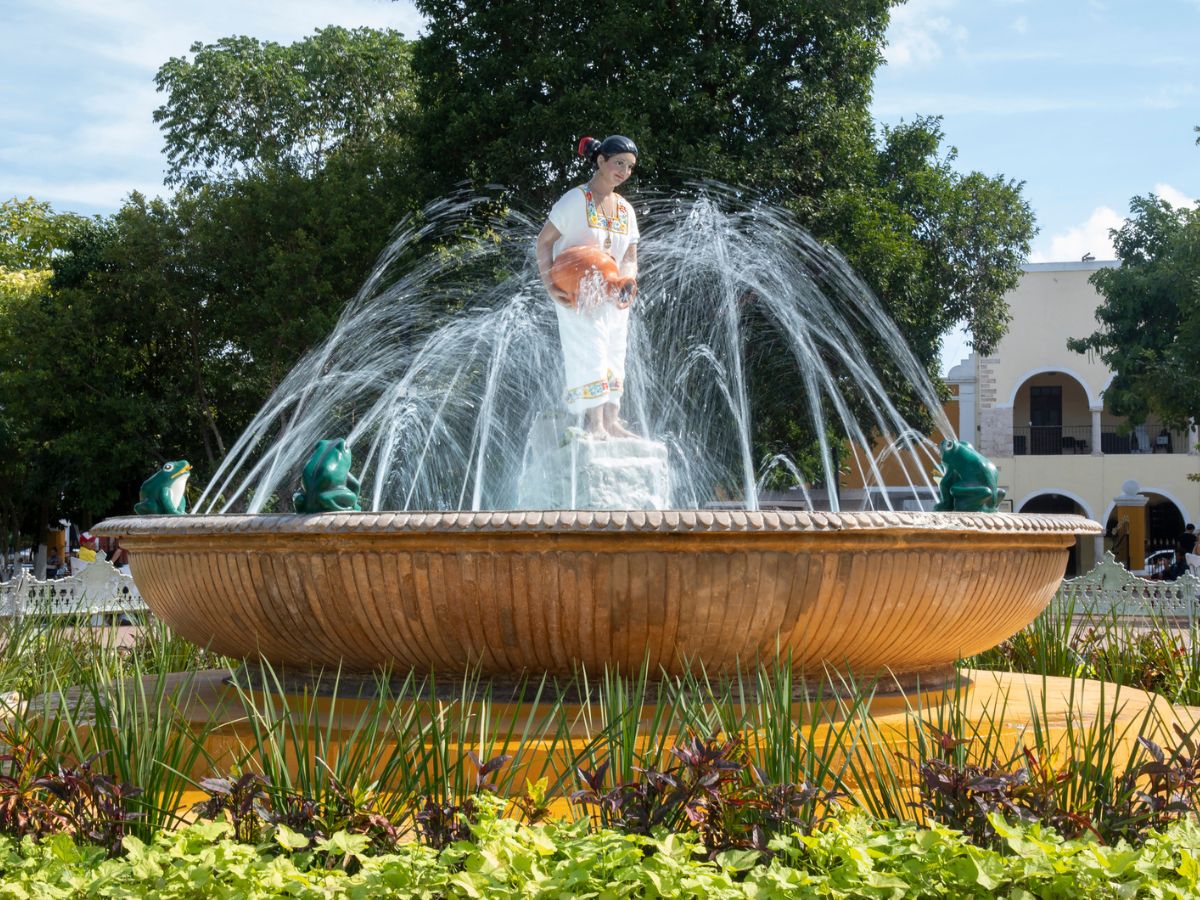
(326, 484)
(968, 480)
(162, 494)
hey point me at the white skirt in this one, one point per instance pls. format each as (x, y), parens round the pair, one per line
(593, 347)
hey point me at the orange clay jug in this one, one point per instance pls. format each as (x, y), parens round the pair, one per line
(576, 264)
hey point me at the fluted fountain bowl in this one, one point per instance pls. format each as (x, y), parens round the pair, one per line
(546, 591)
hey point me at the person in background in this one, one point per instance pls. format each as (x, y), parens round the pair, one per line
(87, 547)
(1184, 544)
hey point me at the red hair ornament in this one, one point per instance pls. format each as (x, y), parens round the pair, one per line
(587, 144)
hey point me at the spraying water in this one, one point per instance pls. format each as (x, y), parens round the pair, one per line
(438, 375)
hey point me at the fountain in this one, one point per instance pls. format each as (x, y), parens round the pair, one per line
(445, 381)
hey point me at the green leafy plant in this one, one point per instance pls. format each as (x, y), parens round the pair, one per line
(240, 799)
(712, 791)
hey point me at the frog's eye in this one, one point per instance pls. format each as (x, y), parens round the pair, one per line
(167, 467)
(947, 445)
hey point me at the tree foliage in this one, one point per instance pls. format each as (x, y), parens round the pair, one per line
(1149, 333)
(772, 96)
(32, 357)
(31, 233)
(240, 106)
(159, 331)
(768, 94)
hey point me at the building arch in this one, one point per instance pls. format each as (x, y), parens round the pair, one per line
(1052, 501)
(1062, 492)
(1094, 402)
(1166, 495)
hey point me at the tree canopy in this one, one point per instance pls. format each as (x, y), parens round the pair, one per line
(771, 96)
(1149, 334)
(157, 332)
(240, 105)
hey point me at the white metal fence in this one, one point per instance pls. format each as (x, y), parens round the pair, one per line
(1109, 589)
(99, 589)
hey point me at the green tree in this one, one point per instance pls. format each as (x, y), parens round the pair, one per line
(297, 164)
(1149, 334)
(241, 106)
(32, 236)
(939, 247)
(159, 332)
(773, 96)
(194, 306)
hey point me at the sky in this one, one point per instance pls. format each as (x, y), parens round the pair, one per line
(1088, 103)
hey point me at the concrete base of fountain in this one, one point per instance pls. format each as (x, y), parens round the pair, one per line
(565, 469)
(526, 592)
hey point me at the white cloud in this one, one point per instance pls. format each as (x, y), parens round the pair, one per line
(907, 103)
(1093, 235)
(1173, 95)
(146, 33)
(918, 32)
(119, 122)
(1021, 25)
(76, 121)
(1090, 237)
(99, 195)
(1173, 196)
(109, 130)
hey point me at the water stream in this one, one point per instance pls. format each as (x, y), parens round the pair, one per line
(437, 375)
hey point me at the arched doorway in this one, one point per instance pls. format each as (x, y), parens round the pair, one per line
(1051, 415)
(1164, 524)
(1058, 504)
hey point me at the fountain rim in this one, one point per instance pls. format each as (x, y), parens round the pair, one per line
(689, 521)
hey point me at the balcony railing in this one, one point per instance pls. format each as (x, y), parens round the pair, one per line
(1046, 440)
(1057, 440)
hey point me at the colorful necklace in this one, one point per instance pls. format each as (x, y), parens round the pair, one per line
(608, 220)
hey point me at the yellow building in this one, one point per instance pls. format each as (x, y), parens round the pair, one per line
(1038, 411)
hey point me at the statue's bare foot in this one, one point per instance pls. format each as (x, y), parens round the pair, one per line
(612, 422)
(593, 425)
(617, 430)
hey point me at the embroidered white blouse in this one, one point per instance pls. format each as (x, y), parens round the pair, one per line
(581, 223)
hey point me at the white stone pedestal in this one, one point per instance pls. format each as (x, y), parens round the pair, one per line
(564, 469)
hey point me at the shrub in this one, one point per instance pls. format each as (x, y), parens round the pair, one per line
(852, 858)
(712, 791)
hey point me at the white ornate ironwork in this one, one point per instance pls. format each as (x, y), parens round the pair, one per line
(99, 589)
(1110, 589)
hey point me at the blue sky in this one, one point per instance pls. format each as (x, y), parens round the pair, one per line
(1089, 102)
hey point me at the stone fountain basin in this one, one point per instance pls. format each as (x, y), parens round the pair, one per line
(547, 591)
